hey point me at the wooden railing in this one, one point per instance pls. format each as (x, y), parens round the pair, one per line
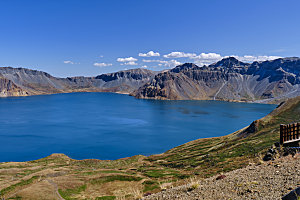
(289, 133)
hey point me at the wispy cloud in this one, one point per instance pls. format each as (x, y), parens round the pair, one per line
(102, 64)
(149, 61)
(171, 63)
(69, 62)
(166, 63)
(129, 63)
(278, 50)
(149, 54)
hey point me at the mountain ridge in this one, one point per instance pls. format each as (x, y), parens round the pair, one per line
(36, 82)
(228, 79)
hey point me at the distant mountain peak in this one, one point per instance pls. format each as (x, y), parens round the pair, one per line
(184, 66)
(230, 59)
(228, 62)
(290, 59)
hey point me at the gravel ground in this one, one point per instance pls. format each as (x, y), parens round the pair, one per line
(270, 180)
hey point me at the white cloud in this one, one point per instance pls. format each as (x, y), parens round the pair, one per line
(129, 63)
(207, 58)
(130, 59)
(102, 64)
(69, 62)
(166, 63)
(149, 54)
(144, 66)
(101, 56)
(200, 59)
(172, 63)
(177, 54)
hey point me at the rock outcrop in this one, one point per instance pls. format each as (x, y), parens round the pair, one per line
(33, 82)
(266, 181)
(8, 88)
(228, 79)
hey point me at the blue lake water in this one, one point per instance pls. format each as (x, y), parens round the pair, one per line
(111, 126)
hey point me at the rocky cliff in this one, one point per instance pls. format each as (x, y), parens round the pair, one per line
(8, 88)
(228, 79)
(33, 82)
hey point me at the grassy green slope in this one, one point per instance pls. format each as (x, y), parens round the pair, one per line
(214, 155)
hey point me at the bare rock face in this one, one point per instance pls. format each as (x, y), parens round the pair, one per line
(228, 79)
(37, 82)
(8, 88)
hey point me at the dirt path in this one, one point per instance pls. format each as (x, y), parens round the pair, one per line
(56, 189)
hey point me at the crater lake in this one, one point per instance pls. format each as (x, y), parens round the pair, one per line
(112, 126)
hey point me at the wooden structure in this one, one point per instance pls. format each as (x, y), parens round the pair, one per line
(289, 133)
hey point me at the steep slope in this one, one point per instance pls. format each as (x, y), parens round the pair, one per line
(228, 79)
(8, 88)
(37, 82)
(221, 154)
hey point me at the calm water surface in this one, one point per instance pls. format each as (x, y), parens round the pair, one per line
(111, 126)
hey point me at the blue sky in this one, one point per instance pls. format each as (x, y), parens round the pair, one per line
(91, 37)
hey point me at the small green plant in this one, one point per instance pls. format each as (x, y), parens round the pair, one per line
(150, 185)
(68, 193)
(112, 178)
(193, 184)
(106, 198)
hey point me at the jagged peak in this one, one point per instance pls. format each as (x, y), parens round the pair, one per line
(287, 62)
(230, 59)
(138, 70)
(228, 62)
(290, 58)
(287, 59)
(280, 60)
(184, 67)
